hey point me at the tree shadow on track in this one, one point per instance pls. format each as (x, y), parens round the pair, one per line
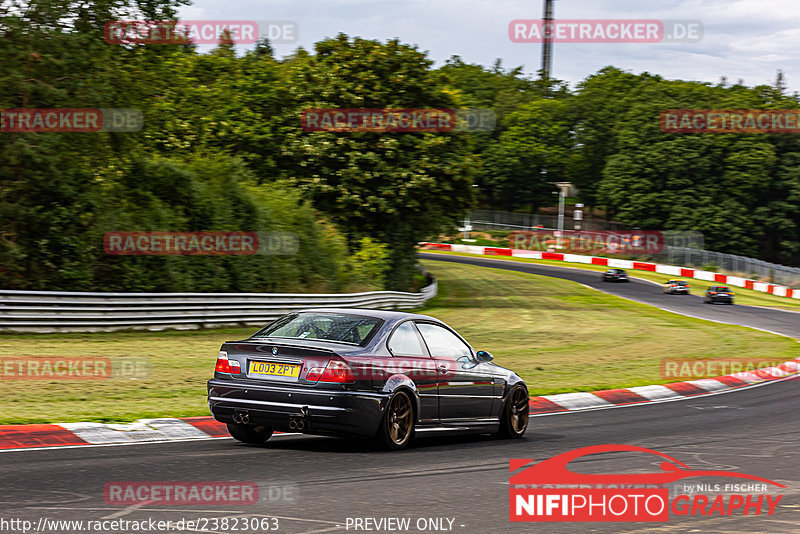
(324, 444)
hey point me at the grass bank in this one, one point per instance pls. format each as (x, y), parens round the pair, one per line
(744, 296)
(559, 335)
(562, 337)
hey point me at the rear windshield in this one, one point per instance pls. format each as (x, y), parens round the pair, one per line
(722, 289)
(680, 283)
(337, 327)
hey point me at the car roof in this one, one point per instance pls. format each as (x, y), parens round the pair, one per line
(380, 314)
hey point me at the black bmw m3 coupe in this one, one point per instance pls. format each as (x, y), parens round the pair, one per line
(362, 373)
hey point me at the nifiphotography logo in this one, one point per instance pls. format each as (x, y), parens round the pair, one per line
(548, 491)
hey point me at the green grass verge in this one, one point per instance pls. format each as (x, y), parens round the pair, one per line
(743, 296)
(181, 363)
(563, 337)
(559, 335)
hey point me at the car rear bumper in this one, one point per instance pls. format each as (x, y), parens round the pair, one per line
(346, 413)
(715, 298)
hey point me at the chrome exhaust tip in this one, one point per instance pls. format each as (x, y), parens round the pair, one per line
(301, 424)
(292, 424)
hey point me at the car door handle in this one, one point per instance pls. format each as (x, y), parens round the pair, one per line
(443, 369)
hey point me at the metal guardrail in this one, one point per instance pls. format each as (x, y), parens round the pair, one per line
(60, 311)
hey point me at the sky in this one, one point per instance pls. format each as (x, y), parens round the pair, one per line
(742, 39)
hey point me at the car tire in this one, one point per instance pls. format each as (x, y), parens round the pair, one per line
(397, 425)
(254, 435)
(515, 415)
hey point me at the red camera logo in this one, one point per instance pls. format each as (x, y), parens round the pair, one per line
(546, 491)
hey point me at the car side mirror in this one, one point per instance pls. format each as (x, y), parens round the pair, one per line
(483, 356)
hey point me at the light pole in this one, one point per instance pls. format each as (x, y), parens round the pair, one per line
(563, 189)
(547, 45)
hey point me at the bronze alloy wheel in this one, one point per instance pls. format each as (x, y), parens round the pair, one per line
(398, 422)
(515, 416)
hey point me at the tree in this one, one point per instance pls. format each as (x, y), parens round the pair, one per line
(531, 153)
(395, 187)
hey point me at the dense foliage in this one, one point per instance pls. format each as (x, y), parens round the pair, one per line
(742, 191)
(222, 149)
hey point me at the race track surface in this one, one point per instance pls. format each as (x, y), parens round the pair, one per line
(462, 478)
(781, 322)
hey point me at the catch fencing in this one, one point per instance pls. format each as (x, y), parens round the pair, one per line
(730, 263)
(682, 248)
(59, 311)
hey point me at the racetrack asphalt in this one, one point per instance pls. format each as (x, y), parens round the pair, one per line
(325, 481)
(772, 320)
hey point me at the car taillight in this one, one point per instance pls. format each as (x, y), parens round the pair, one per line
(713, 293)
(227, 366)
(336, 371)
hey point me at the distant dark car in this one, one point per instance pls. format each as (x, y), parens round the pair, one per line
(676, 287)
(615, 275)
(362, 373)
(719, 294)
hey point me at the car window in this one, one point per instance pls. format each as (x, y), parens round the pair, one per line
(442, 342)
(337, 327)
(405, 342)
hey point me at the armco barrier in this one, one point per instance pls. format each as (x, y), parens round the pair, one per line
(57, 311)
(671, 270)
